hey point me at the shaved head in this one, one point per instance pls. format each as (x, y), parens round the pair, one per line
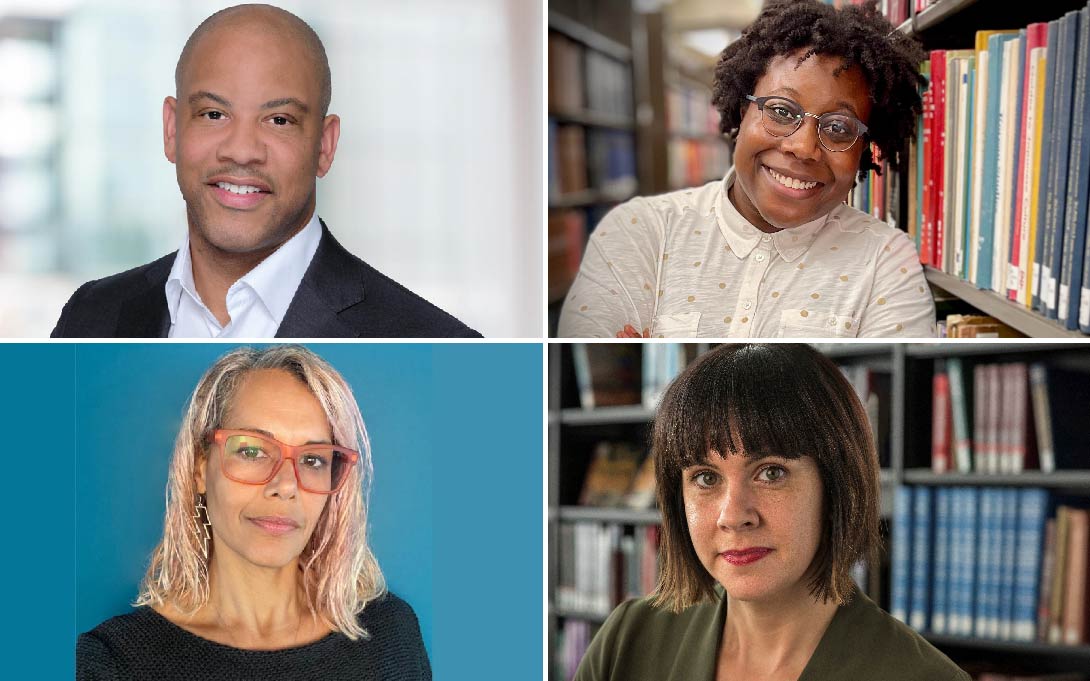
(279, 25)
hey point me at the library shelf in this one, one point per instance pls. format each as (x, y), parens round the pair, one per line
(986, 346)
(1012, 314)
(589, 197)
(1080, 652)
(594, 119)
(580, 33)
(933, 15)
(592, 616)
(621, 516)
(1076, 480)
(634, 413)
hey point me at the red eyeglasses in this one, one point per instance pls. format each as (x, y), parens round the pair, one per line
(254, 459)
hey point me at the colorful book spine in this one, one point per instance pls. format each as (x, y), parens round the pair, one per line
(1058, 190)
(970, 526)
(1048, 143)
(920, 604)
(988, 540)
(962, 445)
(1032, 507)
(941, 587)
(1009, 511)
(1067, 307)
(901, 558)
(940, 420)
(990, 189)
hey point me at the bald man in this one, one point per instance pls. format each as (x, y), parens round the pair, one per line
(249, 132)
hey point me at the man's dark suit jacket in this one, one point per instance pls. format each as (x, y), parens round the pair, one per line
(340, 296)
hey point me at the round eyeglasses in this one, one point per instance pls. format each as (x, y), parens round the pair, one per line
(255, 458)
(783, 116)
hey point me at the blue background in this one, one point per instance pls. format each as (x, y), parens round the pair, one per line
(456, 436)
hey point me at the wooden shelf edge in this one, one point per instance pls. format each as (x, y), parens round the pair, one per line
(990, 302)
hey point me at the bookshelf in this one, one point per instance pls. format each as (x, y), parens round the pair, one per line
(952, 25)
(592, 129)
(663, 136)
(907, 372)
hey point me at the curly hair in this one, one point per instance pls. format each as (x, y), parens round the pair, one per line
(860, 35)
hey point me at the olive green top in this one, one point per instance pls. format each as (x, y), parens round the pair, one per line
(642, 643)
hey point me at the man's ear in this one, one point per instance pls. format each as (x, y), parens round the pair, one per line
(331, 132)
(170, 128)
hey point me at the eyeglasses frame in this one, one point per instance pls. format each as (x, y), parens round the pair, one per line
(760, 102)
(220, 435)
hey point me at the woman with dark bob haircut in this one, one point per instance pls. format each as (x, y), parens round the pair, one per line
(768, 485)
(771, 249)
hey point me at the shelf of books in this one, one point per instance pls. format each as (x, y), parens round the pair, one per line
(996, 190)
(603, 524)
(592, 139)
(985, 478)
(697, 152)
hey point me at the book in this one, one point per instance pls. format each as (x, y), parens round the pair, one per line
(610, 475)
(940, 420)
(1032, 508)
(1067, 306)
(941, 587)
(1075, 592)
(1033, 38)
(641, 493)
(1048, 143)
(1010, 145)
(901, 554)
(1059, 397)
(962, 443)
(978, 326)
(1044, 590)
(991, 190)
(607, 374)
(920, 602)
(1059, 578)
(1058, 181)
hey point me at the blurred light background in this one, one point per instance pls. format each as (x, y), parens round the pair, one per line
(437, 181)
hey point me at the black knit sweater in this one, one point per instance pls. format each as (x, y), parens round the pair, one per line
(145, 645)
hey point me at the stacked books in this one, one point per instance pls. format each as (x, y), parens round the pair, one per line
(990, 563)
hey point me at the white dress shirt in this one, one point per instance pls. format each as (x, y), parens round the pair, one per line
(687, 264)
(256, 303)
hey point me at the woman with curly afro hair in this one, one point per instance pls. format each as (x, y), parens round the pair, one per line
(772, 250)
(767, 481)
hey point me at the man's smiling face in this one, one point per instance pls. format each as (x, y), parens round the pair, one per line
(247, 135)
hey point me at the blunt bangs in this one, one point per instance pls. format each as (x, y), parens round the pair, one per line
(755, 400)
(759, 400)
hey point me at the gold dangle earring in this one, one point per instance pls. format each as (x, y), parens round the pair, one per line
(201, 524)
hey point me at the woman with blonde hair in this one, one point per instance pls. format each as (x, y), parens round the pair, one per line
(264, 569)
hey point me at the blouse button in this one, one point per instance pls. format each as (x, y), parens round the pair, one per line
(747, 305)
(760, 257)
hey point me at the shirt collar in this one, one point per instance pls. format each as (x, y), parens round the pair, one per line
(274, 280)
(743, 237)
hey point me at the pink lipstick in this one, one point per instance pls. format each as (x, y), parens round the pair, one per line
(745, 556)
